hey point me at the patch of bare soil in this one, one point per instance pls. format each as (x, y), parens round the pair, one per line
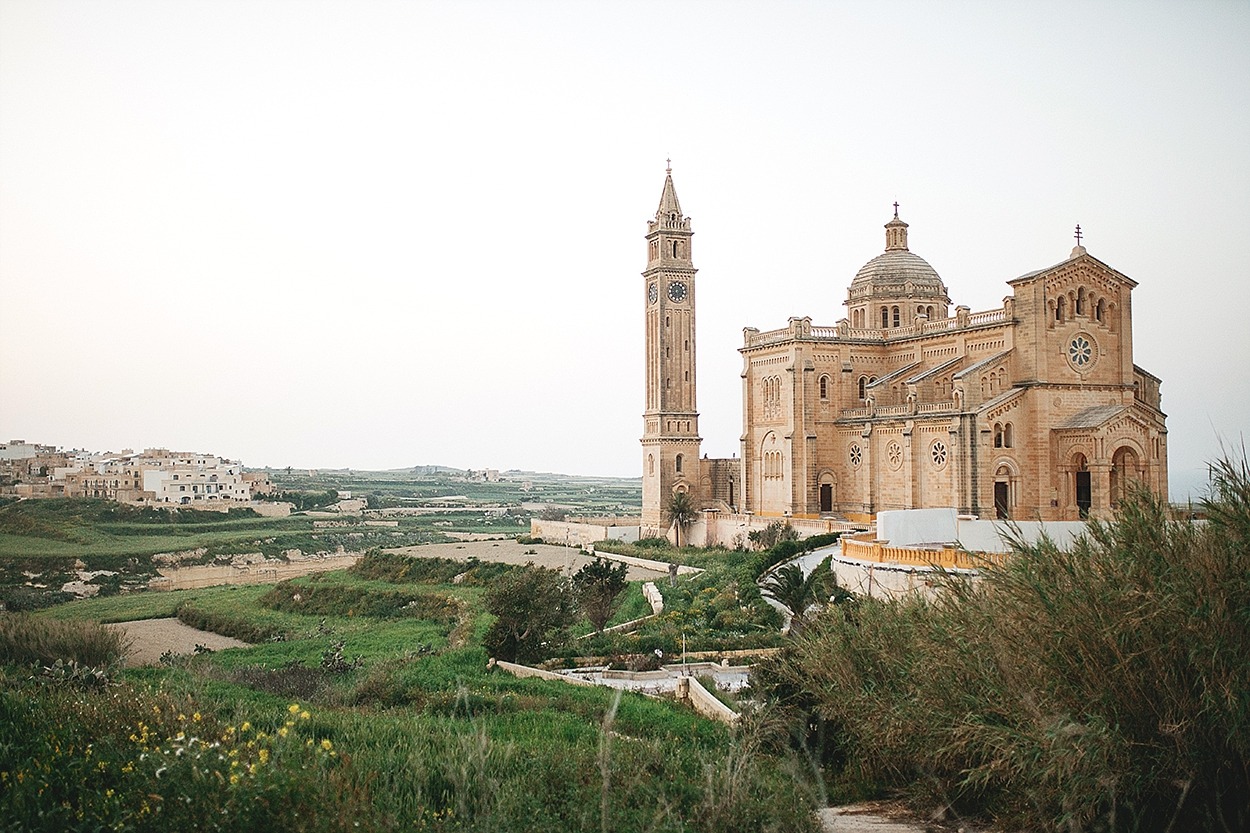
(565, 559)
(149, 638)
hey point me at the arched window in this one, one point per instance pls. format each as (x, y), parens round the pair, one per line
(1059, 308)
(863, 386)
(651, 464)
(896, 318)
(1099, 310)
(928, 311)
(677, 463)
(824, 387)
(1007, 441)
(1080, 301)
(885, 317)
(998, 435)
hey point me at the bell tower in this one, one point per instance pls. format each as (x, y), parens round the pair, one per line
(670, 439)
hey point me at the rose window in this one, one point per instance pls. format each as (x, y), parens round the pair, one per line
(1080, 352)
(939, 453)
(857, 456)
(894, 452)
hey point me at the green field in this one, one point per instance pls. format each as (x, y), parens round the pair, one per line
(372, 716)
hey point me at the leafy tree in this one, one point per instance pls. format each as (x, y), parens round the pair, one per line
(598, 584)
(551, 512)
(772, 535)
(534, 608)
(796, 592)
(681, 512)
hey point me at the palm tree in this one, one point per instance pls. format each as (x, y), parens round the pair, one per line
(681, 512)
(796, 592)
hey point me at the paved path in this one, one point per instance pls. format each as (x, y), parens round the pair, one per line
(567, 560)
(149, 638)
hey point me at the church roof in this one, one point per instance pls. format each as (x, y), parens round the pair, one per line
(1090, 417)
(981, 365)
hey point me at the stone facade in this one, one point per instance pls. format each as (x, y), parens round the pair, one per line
(1032, 411)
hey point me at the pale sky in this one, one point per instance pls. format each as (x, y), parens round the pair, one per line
(383, 234)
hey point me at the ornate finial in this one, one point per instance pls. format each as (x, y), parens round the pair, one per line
(896, 209)
(1078, 234)
(668, 166)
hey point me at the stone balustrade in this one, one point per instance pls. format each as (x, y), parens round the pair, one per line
(945, 556)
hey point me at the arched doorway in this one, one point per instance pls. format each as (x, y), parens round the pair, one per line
(1124, 470)
(1084, 490)
(1002, 493)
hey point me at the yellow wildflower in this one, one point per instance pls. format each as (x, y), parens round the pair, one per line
(303, 715)
(293, 708)
(326, 745)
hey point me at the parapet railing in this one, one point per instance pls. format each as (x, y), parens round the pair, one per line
(802, 330)
(944, 556)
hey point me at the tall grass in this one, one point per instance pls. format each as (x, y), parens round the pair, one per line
(1103, 688)
(25, 640)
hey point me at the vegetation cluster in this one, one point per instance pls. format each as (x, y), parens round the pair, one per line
(1101, 688)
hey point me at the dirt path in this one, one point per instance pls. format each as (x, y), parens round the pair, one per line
(508, 551)
(149, 638)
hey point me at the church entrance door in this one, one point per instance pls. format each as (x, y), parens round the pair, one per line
(1084, 494)
(1000, 501)
(826, 497)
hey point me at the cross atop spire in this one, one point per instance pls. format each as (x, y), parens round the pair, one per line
(668, 165)
(1078, 250)
(896, 209)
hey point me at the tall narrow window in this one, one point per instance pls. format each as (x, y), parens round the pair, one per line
(1059, 308)
(1080, 301)
(885, 317)
(677, 463)
(896, 317)
(1007, 442)
(1099, 310)
(824, 387)
(863, 386)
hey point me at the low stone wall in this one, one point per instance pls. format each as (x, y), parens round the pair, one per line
(690, 690)
(266, 572)
(528, 671)
(644, 563)
(578, 534)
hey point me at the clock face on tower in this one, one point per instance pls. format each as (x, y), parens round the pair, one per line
(653, 293)
(677, 291)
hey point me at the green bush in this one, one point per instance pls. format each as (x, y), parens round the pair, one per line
(224, 625)
(1105, 687)
(322, 599)
(25, 640)
(404, 569)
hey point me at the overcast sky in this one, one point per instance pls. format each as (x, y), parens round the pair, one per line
(382, 234)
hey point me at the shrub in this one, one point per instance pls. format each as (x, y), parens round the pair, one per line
(533, 608)
(315, 599)
(25, 640)
(219, 623)
(1105, 686)
(404, 569)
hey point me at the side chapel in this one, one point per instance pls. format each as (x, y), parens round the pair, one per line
(1032, 411)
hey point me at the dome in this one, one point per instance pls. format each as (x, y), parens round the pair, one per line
(895, 269)
(896, 272)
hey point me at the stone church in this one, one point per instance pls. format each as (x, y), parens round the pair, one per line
(1033, 411)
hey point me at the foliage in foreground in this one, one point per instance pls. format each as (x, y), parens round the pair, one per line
(25, 640)
(125, 759)
(1102, 688)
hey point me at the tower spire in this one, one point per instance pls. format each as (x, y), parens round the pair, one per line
(670, 208)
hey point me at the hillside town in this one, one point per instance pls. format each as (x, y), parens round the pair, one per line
(155, 476)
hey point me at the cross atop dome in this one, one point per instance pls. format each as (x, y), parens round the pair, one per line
(1078, 249)
(896, 233)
